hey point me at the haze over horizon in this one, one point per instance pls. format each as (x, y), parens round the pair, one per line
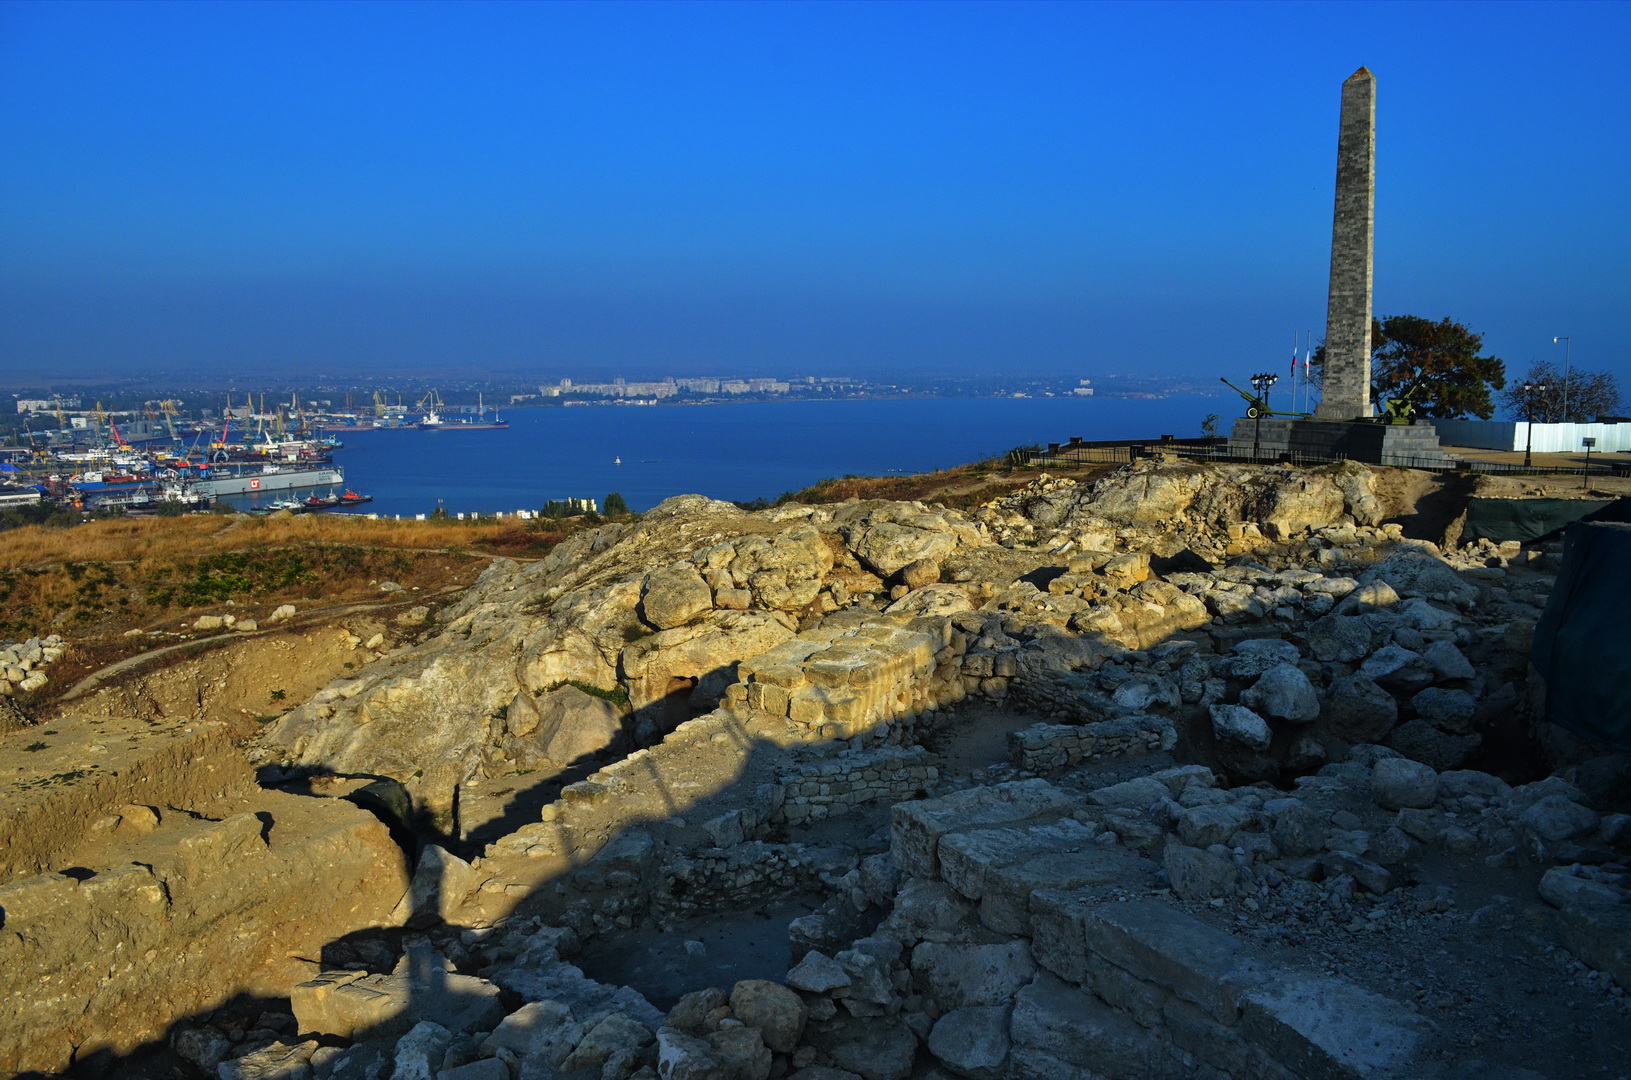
(869, 189)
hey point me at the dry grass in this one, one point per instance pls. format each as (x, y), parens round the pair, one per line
(92, 582)
(166, 539)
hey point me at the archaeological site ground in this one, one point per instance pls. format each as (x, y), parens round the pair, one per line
(1169, 770)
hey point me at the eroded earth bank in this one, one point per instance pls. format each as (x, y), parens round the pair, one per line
(1205, 771)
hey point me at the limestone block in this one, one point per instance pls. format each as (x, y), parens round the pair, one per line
(1249, 658)
(1059, 932)
(961, 975)
(673, 597)
(1557, 817)
(1003, 867)
(1326, 1029)
(344, 1003)
(441, 882)
(776, 1011)
(875, 1048)
(1398, 782)
(1359, 711)
(1162, 945)
(916, 575)
(817, 973)
(1076, 1027)
(916, 827)
(483, 1069)
(929, 910)
(1451, 710)
(1214, 823)
(1125, 571)
(1198, 874)
(972, 1042)
(419, 1053)
(1422, 741)
(1600, 935)
(538, 1029)
(279, 1061)
(1194, 1032)
(1372, 596)
(1239, 724)
(885, 547)
(1398, 669)
(1137, 794)
(741, 1052)
(566, 984)
(733, 599)
(204, 1047)
(1283, 692)
(686, 1057)
(1125, 991)
(1344, 638)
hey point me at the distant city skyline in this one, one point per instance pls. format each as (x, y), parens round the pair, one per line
(646, 190)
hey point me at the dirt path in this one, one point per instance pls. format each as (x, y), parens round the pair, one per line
(306, 621)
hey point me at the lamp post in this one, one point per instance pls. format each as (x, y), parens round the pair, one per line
(1529, 391)
(1566, 343)
(1261, 383)
(1585, 482)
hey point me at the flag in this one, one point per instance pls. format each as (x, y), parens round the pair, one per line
(1293, 363)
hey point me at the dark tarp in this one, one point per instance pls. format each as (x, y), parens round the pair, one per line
(1498, 520)
(1583, 641)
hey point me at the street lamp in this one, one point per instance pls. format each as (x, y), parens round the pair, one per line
(1530, 389)
(1565, 340)
(1261, 383)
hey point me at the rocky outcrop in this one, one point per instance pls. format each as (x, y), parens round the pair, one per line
(1115, 913)
(1055, 577)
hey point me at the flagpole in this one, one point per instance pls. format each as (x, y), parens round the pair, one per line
(1306, 339)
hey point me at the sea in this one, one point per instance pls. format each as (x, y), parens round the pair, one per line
(739, 451)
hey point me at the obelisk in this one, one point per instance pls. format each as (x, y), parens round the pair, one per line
(1346, 394)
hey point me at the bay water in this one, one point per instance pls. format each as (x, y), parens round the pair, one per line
(738, 451)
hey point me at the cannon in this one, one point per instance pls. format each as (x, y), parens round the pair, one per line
(1259, 406)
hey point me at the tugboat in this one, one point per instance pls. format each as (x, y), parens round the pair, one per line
(351, 498)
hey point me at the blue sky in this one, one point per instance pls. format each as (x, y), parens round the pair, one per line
(863, 188)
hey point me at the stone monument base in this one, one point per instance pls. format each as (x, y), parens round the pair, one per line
(1369, 441)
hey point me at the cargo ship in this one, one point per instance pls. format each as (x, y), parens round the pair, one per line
(435, 421)
(220, 482)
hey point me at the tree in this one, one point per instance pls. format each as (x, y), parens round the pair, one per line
(615, 505)
(1438, 366)
(1590, 394)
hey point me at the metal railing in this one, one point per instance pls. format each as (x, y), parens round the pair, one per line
(1077, 454)
(1435, 463)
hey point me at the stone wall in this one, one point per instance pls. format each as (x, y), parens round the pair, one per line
(1018, 926)
(828, 788)
(842, 683)
(1045, 747)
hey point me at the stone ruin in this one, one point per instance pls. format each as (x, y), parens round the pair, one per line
(1231, 814)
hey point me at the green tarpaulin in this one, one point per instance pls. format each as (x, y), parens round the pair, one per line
(1583, 641)
(1499, 520)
